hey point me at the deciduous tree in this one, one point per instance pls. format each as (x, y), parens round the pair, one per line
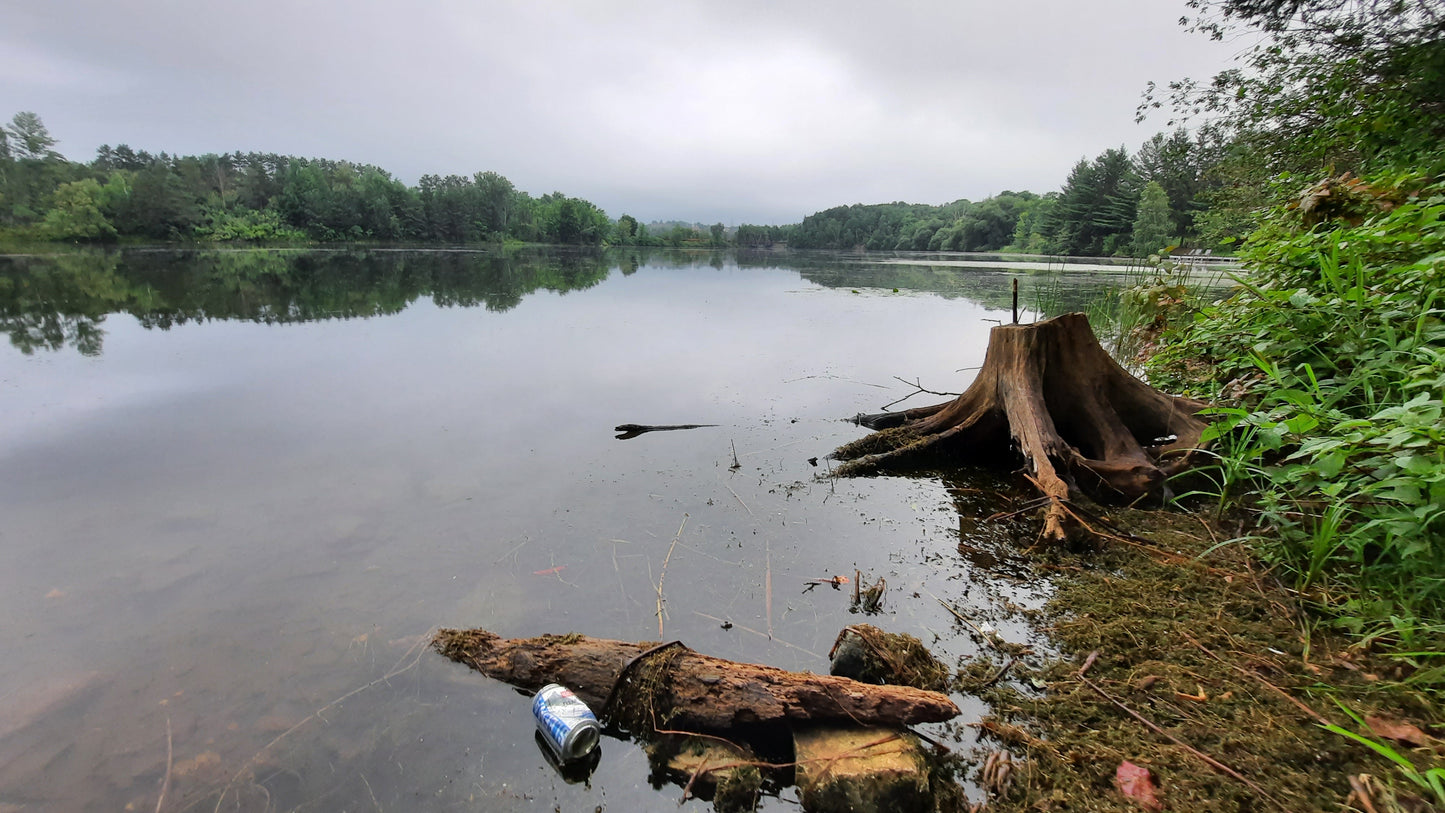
(1154, 225)
(75, 213)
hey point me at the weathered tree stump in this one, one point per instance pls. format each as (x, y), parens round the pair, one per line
(1050, 393)
(673, 687)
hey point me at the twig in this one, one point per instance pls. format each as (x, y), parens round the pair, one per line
(1116, 531)
(1316, 716)
(1357, 785)
(739, 499)
(991, 640)
(1120, 535)
(511, 552)
(1207, 759)
(1213, 540)
(917, 390)
(723, 740)
(698, 771)
(758, 633)
(166, 783)
(371, 793)
(768, 589)
(997, 676)
(837, 378)
(1037, 502)
(663, 574)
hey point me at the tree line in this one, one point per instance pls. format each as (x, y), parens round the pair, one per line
(125, 192)
(1115, 204)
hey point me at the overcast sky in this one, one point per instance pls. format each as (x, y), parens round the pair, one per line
(758, 112)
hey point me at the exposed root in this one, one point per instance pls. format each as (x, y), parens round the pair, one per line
(884, 442)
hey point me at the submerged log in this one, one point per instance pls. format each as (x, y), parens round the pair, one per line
(632, 430)
(669, 686)
(1050, 393)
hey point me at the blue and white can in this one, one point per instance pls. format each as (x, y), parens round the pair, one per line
(569, 728)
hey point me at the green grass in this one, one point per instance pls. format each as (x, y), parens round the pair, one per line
(1328, 367)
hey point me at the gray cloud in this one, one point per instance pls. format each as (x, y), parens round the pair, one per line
(747, 111)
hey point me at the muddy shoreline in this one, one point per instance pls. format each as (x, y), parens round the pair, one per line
(1196, 638)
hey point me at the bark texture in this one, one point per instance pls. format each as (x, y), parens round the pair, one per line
(1050, 393)
(677, 688)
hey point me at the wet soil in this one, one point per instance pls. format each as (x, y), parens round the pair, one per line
(1197, 638)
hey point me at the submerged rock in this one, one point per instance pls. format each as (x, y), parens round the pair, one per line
(869, 655)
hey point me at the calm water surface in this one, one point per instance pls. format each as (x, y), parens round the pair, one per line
(241, 488)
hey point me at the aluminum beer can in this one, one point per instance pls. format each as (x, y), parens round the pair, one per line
(569, 728)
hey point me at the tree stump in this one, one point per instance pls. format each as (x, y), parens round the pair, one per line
(1050, 393)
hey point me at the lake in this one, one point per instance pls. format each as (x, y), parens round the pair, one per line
(241, 488)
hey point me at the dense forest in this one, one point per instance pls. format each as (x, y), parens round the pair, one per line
(128, 193)
(1116, 204)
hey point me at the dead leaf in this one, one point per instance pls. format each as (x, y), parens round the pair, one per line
(1137, 786)
(1398, 730)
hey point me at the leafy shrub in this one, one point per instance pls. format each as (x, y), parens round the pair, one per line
(1330, 361)
(222, 225)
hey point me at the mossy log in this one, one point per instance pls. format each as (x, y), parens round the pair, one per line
(1050, 393)
(676, 688)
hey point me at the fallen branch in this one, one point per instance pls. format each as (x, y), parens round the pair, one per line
(689, 690)
(1316, 716)
(1207, 759)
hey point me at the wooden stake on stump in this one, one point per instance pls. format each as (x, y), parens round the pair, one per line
(1050, 391)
